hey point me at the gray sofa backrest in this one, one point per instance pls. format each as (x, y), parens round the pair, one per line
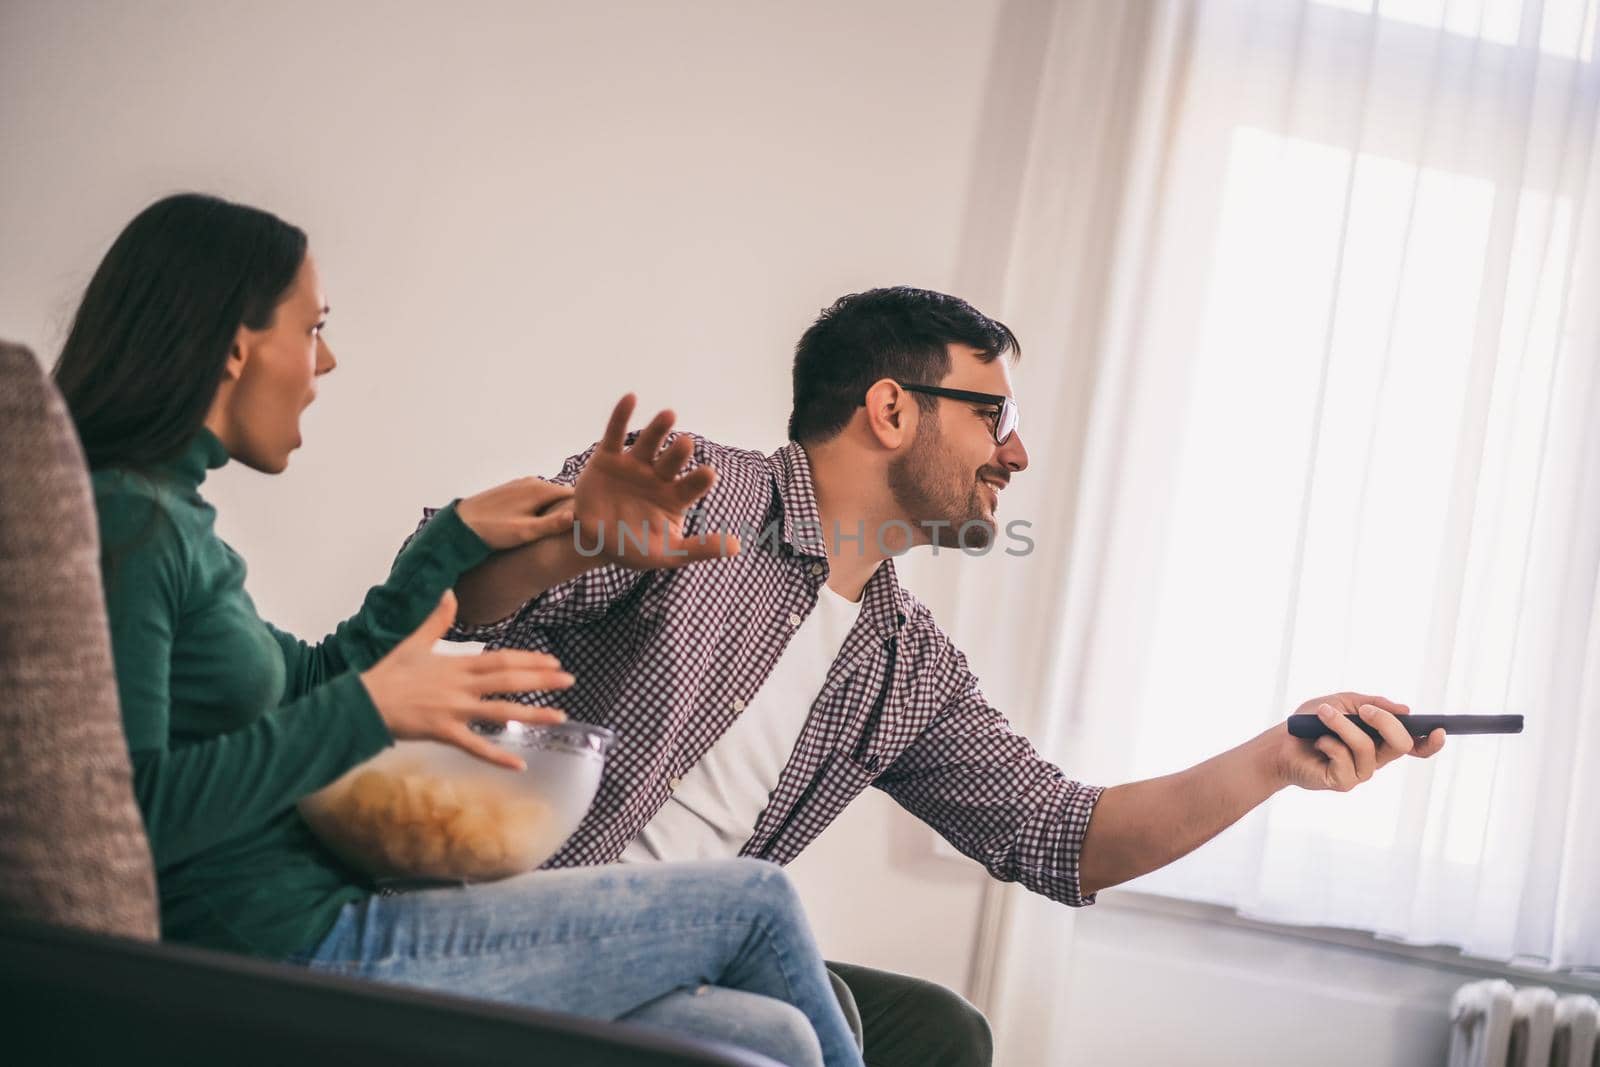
(72, 845)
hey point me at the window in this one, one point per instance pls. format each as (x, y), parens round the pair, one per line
(1354, 456)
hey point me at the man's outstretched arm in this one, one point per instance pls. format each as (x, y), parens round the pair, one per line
(1139, 827)
(507, 580)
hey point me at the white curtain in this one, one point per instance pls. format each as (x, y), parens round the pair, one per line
(1311, 297)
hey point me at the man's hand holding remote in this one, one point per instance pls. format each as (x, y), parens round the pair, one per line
(1348, 756)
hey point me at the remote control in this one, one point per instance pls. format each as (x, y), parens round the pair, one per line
(1416, 725)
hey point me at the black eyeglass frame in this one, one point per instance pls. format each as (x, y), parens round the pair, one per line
(1005, 408)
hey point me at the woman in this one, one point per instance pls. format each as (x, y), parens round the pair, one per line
(199, 341)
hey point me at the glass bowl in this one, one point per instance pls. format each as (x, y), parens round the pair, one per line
(425, 811)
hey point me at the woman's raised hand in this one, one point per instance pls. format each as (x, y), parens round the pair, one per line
(518, 512)
(424, 695)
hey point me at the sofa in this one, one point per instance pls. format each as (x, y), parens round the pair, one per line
(84, 976)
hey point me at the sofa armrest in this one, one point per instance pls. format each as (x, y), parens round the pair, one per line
(77, 997)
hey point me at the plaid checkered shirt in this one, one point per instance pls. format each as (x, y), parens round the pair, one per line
(668, 658)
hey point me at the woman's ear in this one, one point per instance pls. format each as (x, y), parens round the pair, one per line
(233, 369)
(217, 419)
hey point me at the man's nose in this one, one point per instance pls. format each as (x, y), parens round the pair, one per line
(1013, 455)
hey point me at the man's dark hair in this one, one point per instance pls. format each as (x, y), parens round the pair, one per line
(151, 339)
(899, 333)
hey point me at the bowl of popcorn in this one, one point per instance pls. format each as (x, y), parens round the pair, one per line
(430, 812)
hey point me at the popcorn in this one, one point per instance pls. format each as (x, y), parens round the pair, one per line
(408, 822)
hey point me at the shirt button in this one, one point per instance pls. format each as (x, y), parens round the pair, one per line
(673, 783)
(738, 705)
(816, 570)
(794, 620)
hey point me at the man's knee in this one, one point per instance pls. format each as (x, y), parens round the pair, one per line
(909, 1020)
(966, 1037)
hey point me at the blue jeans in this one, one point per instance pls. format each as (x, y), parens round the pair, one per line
(718, 949)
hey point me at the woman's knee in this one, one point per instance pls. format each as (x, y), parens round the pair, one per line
(762, 882)
(777, 1030)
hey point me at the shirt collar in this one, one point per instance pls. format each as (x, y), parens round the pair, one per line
(797, 498)
(883, 603)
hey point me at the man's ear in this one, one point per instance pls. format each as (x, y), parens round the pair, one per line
(891, 414)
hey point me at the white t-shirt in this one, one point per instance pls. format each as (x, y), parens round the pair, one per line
(714, 810)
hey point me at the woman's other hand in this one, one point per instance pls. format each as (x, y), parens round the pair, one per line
(424, 695)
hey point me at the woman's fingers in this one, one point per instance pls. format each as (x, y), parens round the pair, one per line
(511, 659)
(431, 629)
(512, 671)
(536, 494)
(541, 526)
(535, 681)
(504, 711)
(461, 735)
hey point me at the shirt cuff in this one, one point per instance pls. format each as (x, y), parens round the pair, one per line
(436, 555)
(369, 734)
(445, 537)
(1080, 807)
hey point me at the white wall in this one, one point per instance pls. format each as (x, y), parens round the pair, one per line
(521, 210)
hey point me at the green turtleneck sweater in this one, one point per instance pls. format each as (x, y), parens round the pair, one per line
(229, 720)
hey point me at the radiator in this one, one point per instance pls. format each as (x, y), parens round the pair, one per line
(1495, 1025)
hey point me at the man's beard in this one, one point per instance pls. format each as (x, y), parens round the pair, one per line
(931, 489)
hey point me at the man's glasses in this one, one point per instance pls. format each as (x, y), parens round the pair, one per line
(1005, 408)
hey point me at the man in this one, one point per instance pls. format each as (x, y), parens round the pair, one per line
(756, 695)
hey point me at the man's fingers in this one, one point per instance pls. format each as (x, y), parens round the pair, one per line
(1396, 741)
(648, 443)
(700, 549)
(1341, 772)
(1362, 751)
(617, 427)
(1392, 707)
(692, 486)
(1429, 745)
(674, 457)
